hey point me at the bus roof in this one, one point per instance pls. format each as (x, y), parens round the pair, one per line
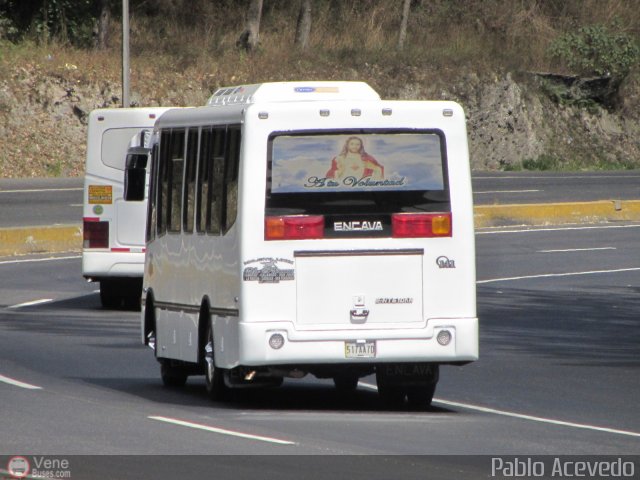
(292, 92)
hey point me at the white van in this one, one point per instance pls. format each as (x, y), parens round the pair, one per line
(113, 230)
(311, 228)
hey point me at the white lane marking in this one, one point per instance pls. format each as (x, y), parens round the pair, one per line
(581, 177)
(36, 260)
(551, 275)
(565, 250)
(522, 416)
(17, 383)
(32, 303)
(553, 229)
(508, 191)
(38, 190)
(537, 419)
(222, 431)
(368, 386)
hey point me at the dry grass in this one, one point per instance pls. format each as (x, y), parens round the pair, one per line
(183, 53)
(196, 40)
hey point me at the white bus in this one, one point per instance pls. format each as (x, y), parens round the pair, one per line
(311, 228)
(113, 230)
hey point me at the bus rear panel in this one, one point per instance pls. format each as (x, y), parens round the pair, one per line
(113, 230)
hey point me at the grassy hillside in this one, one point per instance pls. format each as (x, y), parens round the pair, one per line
(182, 50)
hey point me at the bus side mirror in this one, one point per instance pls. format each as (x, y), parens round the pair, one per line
(135, 174)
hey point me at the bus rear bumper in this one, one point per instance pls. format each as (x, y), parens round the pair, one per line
(442, 341)
(99, 264)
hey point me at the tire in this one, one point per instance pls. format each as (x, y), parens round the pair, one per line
(132, 302)
(393, 397)
(172, 376)
(421, 397)
(346, 383)
(118, 293)
(109, 295)
(214, 376)
(132, 297)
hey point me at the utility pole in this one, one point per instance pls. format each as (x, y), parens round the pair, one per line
(125, 54)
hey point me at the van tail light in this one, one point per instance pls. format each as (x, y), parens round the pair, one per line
(415, 225)
(95, 234)
(294, 227)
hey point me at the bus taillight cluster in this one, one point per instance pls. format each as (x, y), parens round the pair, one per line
(95, 233)
(403, 225)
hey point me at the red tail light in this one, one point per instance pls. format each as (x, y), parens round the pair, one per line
(295, 227)
(95, 234)
(415, 225)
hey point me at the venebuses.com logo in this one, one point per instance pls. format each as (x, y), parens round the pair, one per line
(38, 467)
(18, 467)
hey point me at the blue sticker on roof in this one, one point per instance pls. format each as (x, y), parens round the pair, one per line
(304, 89)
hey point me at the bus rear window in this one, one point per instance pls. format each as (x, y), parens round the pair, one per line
(357, 177)
(115, 142)
(370, 162)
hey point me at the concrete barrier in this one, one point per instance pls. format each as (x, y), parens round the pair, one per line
(24, 240)
(65, 238)
(556, 213)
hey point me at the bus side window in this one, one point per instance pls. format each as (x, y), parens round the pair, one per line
(204, 172)
(176, 173)
(153, 187)
(190, 180)
(232, 162)
(214, 224)
(209, 180)
(163, 182)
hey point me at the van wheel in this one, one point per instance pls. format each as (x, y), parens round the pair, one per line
(214, 376)
(345, 382)
(172, 376)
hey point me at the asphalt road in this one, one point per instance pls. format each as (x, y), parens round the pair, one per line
(43, 201)
(559, 374)
(546, 187)
(37, 202)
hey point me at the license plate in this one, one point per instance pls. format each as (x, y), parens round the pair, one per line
(360, 349)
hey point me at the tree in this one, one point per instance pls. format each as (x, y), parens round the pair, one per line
(303, 26)
(250, 37)
(403, 24)
(103, 25)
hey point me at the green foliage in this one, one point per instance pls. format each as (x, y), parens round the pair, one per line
(542, 163)
(65, 21)
(595, 50)
(571, 96)
(7, 29)
(594, 160)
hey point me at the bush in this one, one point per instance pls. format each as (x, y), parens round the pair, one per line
(594, 50)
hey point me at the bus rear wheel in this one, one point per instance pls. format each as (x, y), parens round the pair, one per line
(172, 376)
(109, 295)
(392, 397)
(214, 376)
(421, 397)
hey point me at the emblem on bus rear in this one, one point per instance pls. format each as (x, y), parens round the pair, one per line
(444, 262)
(268, 271)
(357, 226)
(359, 313)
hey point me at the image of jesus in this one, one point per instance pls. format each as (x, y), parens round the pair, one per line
(353, 161)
